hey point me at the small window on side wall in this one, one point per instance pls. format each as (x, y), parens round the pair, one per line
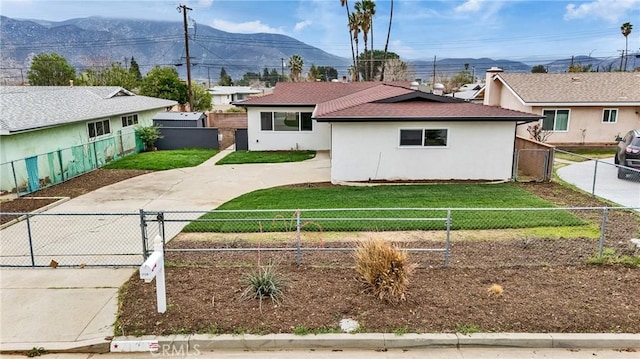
(610, 115)
(306, 124)
(428, 137)
(266, 121)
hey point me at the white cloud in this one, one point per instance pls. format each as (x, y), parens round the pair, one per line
(301, 25)
(470, 6)
(609, 10)
(249, 27)
(205, 3)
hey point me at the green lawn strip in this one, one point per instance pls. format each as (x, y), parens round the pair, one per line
(241, 157)
(583, 154)
(421, 204)
(163, 160)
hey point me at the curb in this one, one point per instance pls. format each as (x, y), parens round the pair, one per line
(375, 341)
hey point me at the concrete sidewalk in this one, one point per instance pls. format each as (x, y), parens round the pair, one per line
(66, 308)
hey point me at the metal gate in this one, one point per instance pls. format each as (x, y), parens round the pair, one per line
(242, 140)
(532, 165)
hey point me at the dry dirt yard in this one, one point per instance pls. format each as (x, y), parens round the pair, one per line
(204, 290)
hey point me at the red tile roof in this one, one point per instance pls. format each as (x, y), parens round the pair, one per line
(425, 111)
(310, 93)
(377, 101)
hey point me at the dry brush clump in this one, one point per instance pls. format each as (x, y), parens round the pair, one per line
(384, 267)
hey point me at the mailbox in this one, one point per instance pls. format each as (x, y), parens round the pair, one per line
(151, 266)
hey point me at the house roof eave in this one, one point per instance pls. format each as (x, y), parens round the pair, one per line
(431, 119)
(584, 104)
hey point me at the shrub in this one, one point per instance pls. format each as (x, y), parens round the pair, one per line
(149, 135)
(266, 282)
(384, 267)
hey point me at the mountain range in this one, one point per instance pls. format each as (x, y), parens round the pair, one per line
(97, 41)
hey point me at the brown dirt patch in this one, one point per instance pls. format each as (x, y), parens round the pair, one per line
(72, 188)
(204, 288)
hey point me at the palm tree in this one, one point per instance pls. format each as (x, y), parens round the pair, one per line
(365, 25)
(626, 31)
(345, 3)
(295, 64)
(386, 44)
(369, 10)
(354, 25)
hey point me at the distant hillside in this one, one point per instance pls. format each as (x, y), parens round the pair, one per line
(451, 66)
(96, 41)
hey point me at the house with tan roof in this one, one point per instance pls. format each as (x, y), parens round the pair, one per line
(586, 108)
(386, 131)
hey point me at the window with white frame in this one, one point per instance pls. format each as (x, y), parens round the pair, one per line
(286, 121)
(98, 128)
(610, 115)
(555, 120)
(129, 120)
(424, 137)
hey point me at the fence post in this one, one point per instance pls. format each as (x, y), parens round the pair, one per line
(595, 173)
(33, 260)
(143, 229)
(514, 170)
(160, 218)
(603, 228)
(298, 244)
(95, 156)
(15, 179)
(60, 163)
(546, 165)
(447, 245)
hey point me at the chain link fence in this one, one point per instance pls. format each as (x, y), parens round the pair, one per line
(456, 237)
(600, 177)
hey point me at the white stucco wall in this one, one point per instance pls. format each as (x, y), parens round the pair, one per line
(317, 139)
(19, 146)
(475, 150)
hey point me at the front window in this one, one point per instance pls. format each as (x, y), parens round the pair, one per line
(129, 120)
(555, 120)
(286, 121)
(610, 115)
(98, 128)
(429, 137)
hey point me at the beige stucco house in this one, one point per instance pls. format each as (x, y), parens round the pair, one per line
(587, 108)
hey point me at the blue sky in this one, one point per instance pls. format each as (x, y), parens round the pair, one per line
(516, 29)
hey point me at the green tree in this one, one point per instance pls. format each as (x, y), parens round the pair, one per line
(201, 97)
(114, 75)
(295, 64)
(461, 78)
(539, 69)
(149, 135)
(164, 82)
(313, 74)
(50, 70)
(626, 31)
(249, 79)
(225, 80)
(134, 70)
(378, 58)
(366, 9)
(580, 68)
(327, 73)
(275, 77)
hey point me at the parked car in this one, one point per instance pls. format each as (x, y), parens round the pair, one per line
(628, 153)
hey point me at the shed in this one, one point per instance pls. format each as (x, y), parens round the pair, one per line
(180, 119)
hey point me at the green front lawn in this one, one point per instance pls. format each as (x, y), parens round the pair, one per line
(163, 160)
(414, 197)
(240, 157)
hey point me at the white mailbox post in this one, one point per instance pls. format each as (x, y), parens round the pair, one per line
(152, 268)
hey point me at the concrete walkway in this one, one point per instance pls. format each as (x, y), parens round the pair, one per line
(63, 308)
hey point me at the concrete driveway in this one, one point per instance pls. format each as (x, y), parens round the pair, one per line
(60, 308)
(625, 192)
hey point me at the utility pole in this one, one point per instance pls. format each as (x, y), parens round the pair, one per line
(282, 72)
(183, 9)
(433, 77)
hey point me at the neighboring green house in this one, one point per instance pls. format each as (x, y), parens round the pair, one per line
(49, 133)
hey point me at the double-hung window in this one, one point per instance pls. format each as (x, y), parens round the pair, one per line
(555, 120)
(98, 128)
(129, 120)
(286, 121)
(610, 115)
(424, 137)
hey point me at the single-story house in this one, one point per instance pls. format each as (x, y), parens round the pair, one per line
(386, 131)
(469, 92)
(222, 96)
(590, 108)
(180, 119)
(49, 133)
